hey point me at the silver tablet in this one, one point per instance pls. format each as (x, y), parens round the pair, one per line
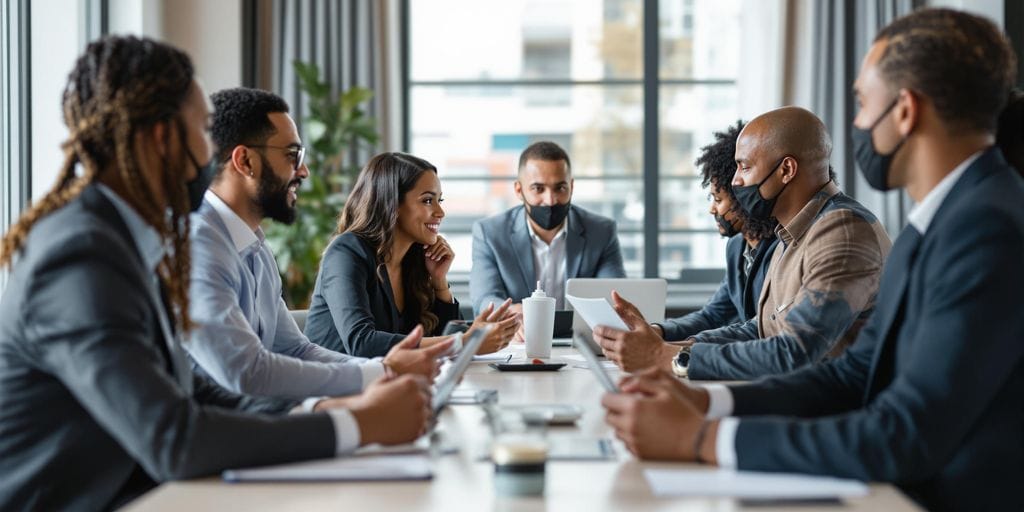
(595, 365)
(451, 380)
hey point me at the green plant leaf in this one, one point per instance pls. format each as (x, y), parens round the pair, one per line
(335, 125)
(353, 97)
(315, 128)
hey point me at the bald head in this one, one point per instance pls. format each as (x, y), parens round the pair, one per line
(791, 131)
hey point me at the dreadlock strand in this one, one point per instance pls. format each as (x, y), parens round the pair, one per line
(53, 200)
(119, 86)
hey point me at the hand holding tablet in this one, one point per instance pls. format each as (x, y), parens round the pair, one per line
(595, 366)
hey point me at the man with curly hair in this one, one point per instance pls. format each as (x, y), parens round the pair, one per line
(748, 251)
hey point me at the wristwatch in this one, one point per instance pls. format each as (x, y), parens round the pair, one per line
(681, 363)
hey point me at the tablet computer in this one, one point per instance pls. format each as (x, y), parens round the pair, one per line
(595, 365)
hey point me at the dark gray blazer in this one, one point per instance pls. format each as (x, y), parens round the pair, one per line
(93, 410)
(354, 312)
(503, 255)
(931, 395)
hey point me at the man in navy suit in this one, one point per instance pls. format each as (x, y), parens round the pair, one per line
(930, 395)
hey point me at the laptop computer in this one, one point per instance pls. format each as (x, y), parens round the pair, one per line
(648, 295)
(562, 335)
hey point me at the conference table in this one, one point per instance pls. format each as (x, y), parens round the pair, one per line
(463, 481)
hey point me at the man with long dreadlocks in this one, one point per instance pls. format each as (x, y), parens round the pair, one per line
(97, 401)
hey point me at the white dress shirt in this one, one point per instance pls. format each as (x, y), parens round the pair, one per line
(549, 263)
(720, 401)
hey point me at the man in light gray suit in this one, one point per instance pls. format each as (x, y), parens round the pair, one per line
(547, 239)
(97, 401)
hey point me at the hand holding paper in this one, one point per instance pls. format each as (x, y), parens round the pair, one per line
(597, 312)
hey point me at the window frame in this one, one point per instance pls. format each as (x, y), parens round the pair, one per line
(651, 83)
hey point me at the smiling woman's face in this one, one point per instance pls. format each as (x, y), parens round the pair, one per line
(420, 214)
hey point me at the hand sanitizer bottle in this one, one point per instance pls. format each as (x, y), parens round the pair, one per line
(538, 323)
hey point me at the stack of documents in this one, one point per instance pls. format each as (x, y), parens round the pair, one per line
(725, 483)
(355, 469)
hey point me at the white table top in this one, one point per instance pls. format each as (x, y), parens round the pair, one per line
(462, 482)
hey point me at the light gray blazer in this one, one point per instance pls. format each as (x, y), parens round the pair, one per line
(503, 257)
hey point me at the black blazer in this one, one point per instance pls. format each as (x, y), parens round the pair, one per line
(931, 395)
(737, 296)
(354, 312)
(93, 411)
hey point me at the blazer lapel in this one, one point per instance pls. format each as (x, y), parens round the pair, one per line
(896, 273)
(890, 299)
(575, 243)
(520, 237)
(95, 201)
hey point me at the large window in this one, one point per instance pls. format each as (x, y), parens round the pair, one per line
(486, 79)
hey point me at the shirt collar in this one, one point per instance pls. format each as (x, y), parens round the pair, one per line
(241, 234)
(792, 233)
(922, 213)
(147, 240)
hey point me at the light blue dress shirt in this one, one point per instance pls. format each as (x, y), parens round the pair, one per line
(245, 338)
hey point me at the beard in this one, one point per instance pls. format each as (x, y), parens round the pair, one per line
(272, 196)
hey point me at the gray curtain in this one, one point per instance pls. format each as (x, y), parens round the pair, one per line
(342, 37)
(842, 34)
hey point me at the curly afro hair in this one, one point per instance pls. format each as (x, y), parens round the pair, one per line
(717, 163)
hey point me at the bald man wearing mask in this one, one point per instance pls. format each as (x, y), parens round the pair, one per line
(823, 277)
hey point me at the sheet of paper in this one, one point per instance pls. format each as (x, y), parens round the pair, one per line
(355, 468)
(516, 350)
(607, 365)
(579, 361)
(597, 312)
(748, 484)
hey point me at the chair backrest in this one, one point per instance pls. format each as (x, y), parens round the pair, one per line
(701, 275)
(299, 315)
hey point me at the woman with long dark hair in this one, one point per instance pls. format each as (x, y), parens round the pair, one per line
(386, 270)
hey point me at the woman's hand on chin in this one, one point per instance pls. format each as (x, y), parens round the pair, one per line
(439, 258)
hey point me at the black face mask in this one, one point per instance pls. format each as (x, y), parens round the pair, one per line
(548, 217)
(725, 228)
(204, 175)
(874, 166)
(751, 201)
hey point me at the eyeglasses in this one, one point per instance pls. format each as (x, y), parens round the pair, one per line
(297, 153)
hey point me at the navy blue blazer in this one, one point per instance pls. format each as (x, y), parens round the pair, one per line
(737, 297)
(353, 311)
(931, 395)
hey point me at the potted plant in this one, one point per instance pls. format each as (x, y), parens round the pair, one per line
(335, 124)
